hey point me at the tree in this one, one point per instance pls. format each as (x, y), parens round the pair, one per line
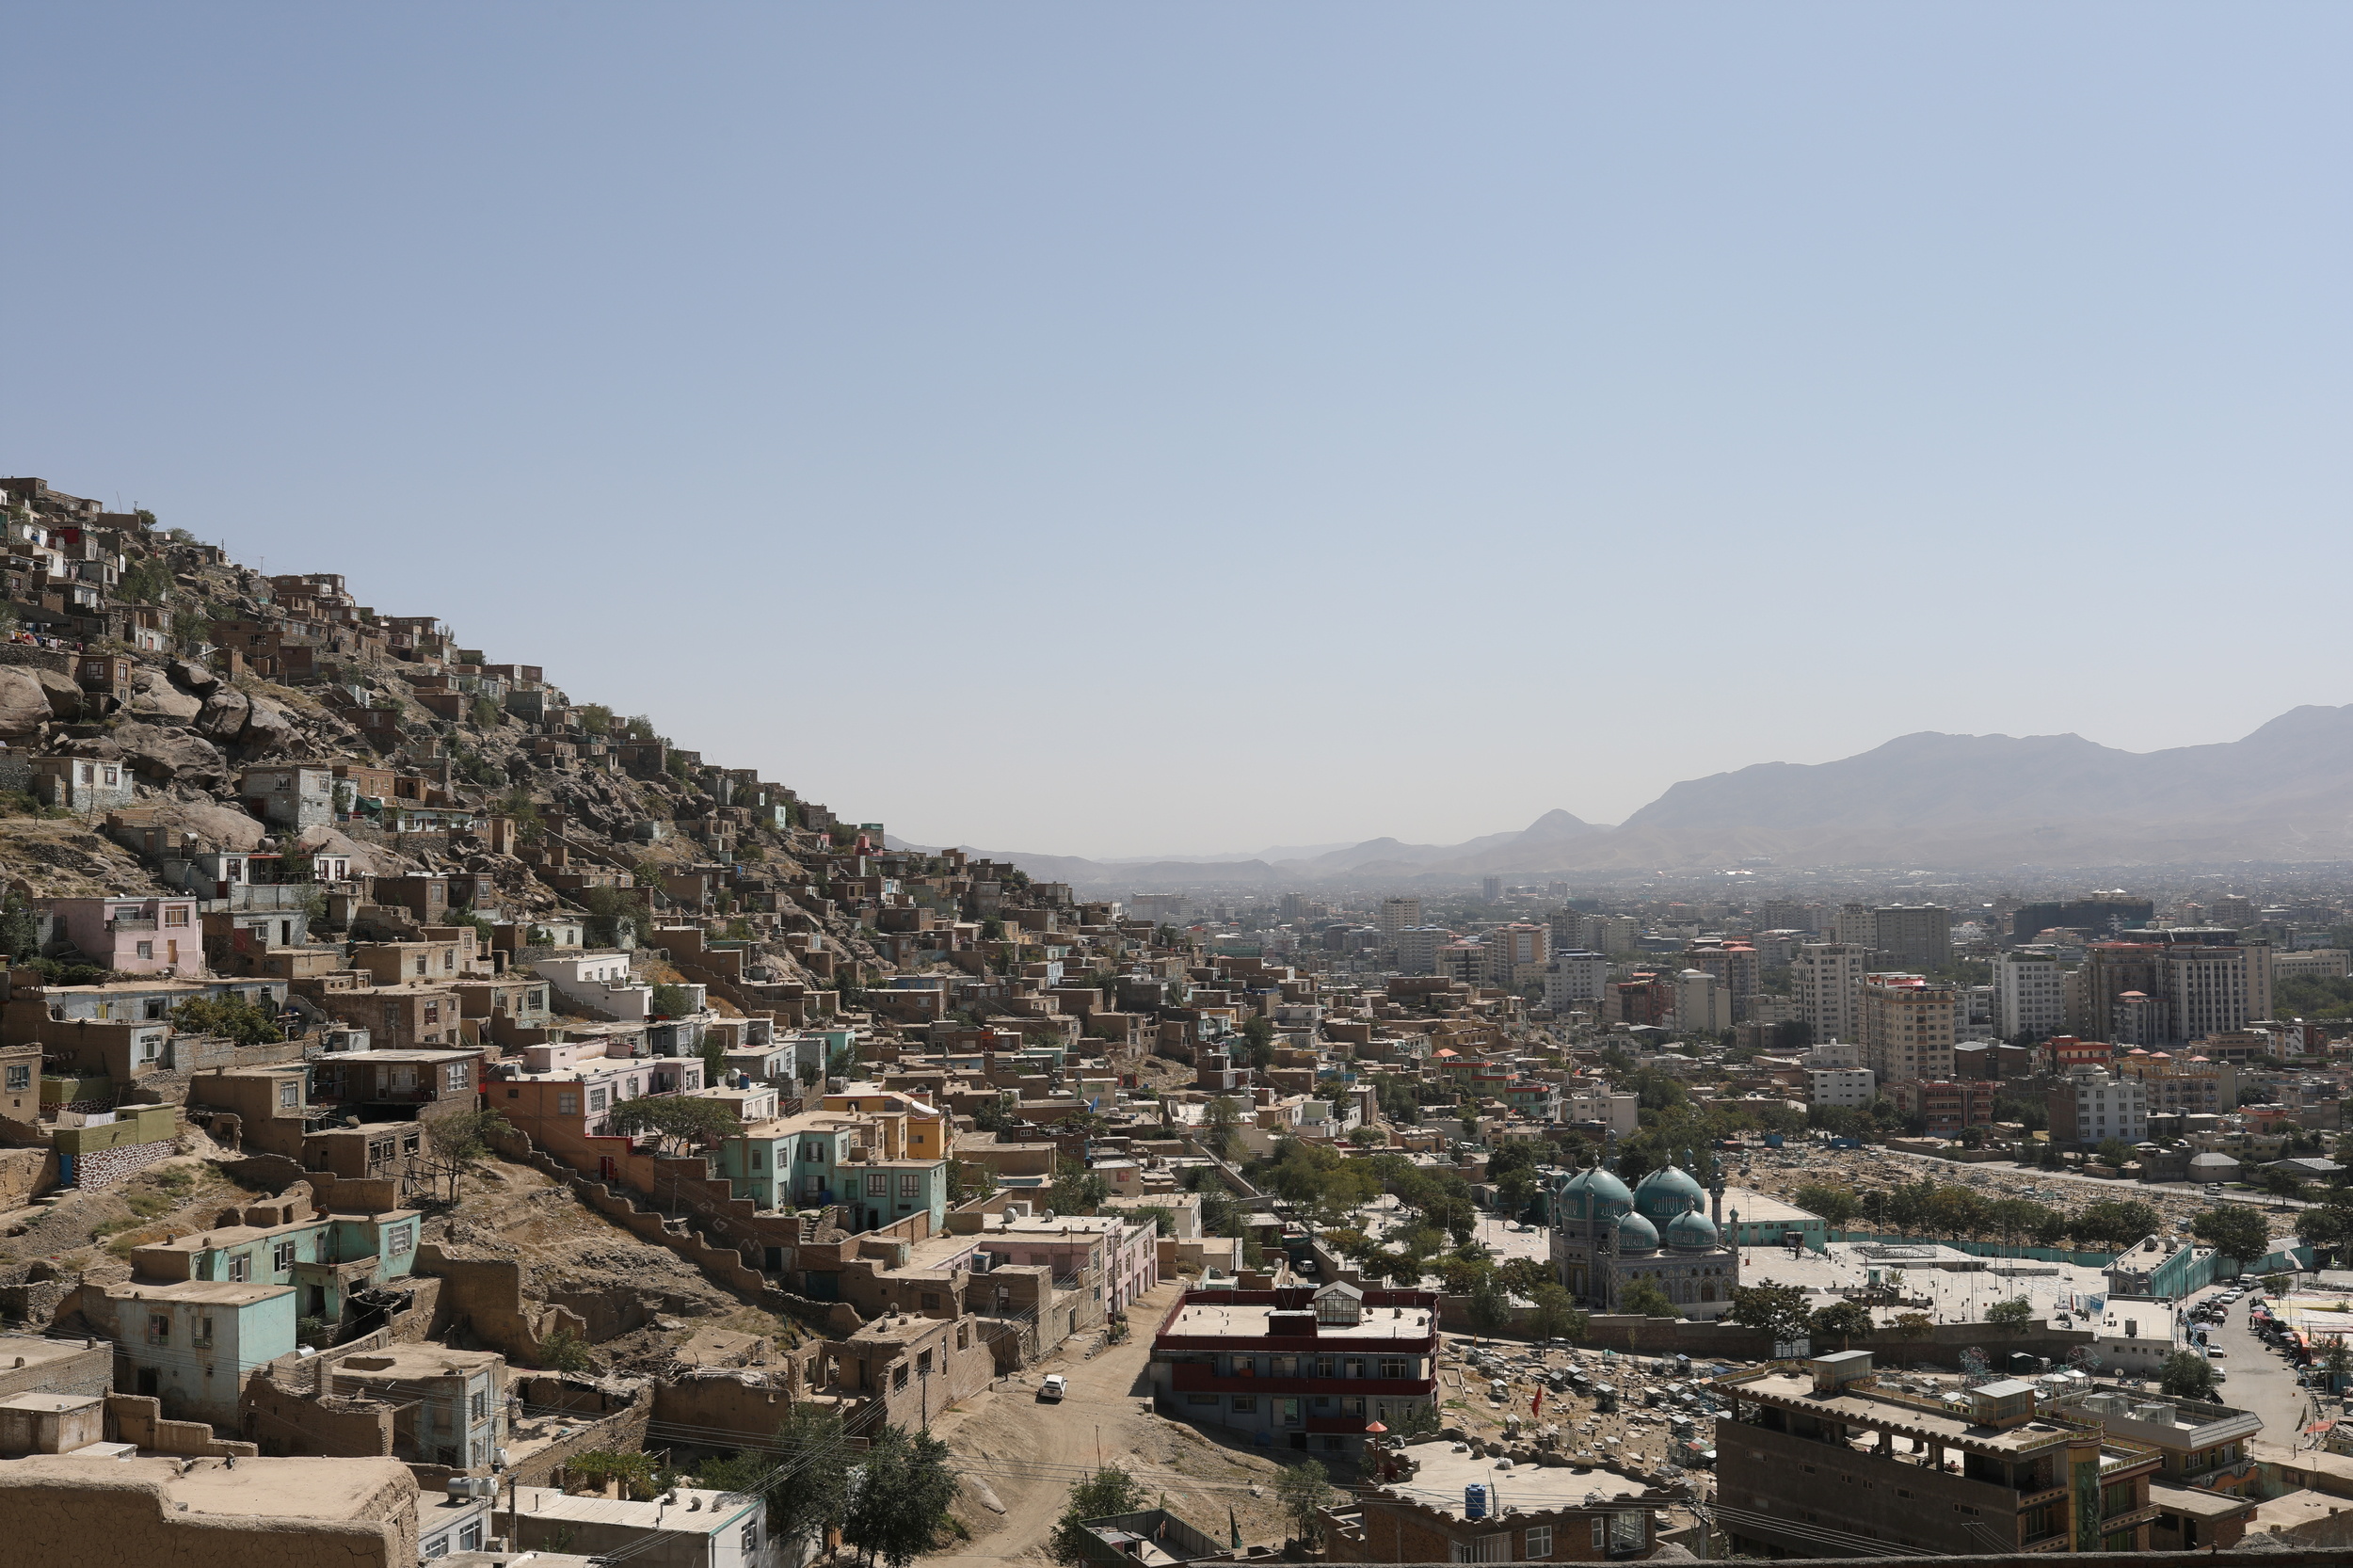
(1914, 1326)
(1842, 1321)
(2115, 1152)
(1490, 1308)
(564, 1351)
(20, 932)
(1258, 1037)
(1836, 1205)
(2237, 1233)
(1644, 1299)
(1303, 1488)
(672, 1001)
(2112, 1225)
(1554, 1316)
(1221, 1124)
(1076, 1189)
(1108, 1492)
(1525, 1276)
(802, 1476)
(2282, 1183)
(682, 1122)
(2011, 1316)
(900, 1497)
(1780, 1310)
(2186, 1375)
(245, 1022)
(465, 1137)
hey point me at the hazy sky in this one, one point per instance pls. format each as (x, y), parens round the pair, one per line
(1128, 429)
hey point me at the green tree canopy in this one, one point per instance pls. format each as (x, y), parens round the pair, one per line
(2186, 1375)
(1108, 1492)
(682, 1121)
(2239, 1233)
(899, 1497)
(1782, 1311)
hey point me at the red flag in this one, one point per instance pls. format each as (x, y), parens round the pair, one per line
(1536, 1405)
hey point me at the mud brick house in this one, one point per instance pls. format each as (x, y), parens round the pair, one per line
(400, 1085)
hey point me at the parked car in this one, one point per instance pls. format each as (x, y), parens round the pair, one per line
(1053, 1388)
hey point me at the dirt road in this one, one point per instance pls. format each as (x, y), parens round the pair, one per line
(1028, 1454)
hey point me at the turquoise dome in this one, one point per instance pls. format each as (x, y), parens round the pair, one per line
(1667, 1193)
(1691, 1232)
(1637, 1235)
(1595, 1194)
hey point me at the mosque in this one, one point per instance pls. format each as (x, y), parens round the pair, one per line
(1605, 1238)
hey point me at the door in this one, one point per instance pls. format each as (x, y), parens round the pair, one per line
(606, 1170)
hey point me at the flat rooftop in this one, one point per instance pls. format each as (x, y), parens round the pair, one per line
(403, 1361)
(717, 1510)
(1759, 1209)
(275, 1488)
(1876, 1408)
(1249, 1321)
(1529, 1488)
(33, 1349)
(221, 1292)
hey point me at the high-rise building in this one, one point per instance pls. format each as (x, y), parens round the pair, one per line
(1294, 907)
(1826, 979)
(2095, 1105)
(1574, 978)
(1734, 965)
(2030, 994)
(1856, 924)
(1702, 1004)
(1614, 933)
(1907, 1026)
(1417, 948)
(1491, 889)
(1399, 913)
(1516, 953)
(1914, 937)
(2236, 910)
(1786, 915)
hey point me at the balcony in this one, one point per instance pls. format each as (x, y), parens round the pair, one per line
(1195, 1378)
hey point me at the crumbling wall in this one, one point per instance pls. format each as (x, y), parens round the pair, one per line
(285, 1420)
(26, 1174)
(729, 1410)
(138, 1419)
(88, 1518)
(483, 1297)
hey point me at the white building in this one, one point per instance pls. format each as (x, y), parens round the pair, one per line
(1826, 978)
(2109, 1106)
(1832, 1053)
(1620, 1113)
(2029, 996)
(1852, 1087)
(1702, 1004)
(1574, 978)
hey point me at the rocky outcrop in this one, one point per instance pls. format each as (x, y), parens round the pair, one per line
(167, 756)
(160, 700)
(25, 705)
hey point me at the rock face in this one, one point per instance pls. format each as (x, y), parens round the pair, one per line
(194, 678)
(159, 699)
(166, 755)
(25, 705)
(267, 726)
(223, 715)
(65, 698)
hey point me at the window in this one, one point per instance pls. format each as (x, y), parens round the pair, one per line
(931, 1303)
(751, 1539)
(203, 1332)
(21, 1077)
(289, 1094)
(759, 1157)
(909, 1184)
(241, 1266)
(432, 1011)
(1245, 1404)
(1487, 1548)
(147, 949)
(1601, 1533)
(481, 1404)
(596, 1099)
(470, 1539)
(1539, 1542)
(400, 1239)
(437, 1547)
(175, 914)
(899, 1375)
(282, 1256)
(568, 1103)
(924, 1364)
(1326, 1366)
(1394, 1366)
(1353, 1367)
(1201, 1399)
(460, 1075)
(158, 1329)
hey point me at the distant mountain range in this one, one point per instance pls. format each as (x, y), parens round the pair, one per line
(1952, 801)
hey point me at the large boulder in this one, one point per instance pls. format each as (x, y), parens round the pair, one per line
(160, 700)
(221, 826)
(267, 725)
(65, 698)
(23, 702)
(224, 714)
(326, 840)
(170, 756)
(194, 678)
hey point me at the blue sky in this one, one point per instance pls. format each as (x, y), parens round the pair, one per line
(1129, 429)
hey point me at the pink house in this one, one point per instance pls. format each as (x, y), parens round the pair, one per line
(133, 935)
